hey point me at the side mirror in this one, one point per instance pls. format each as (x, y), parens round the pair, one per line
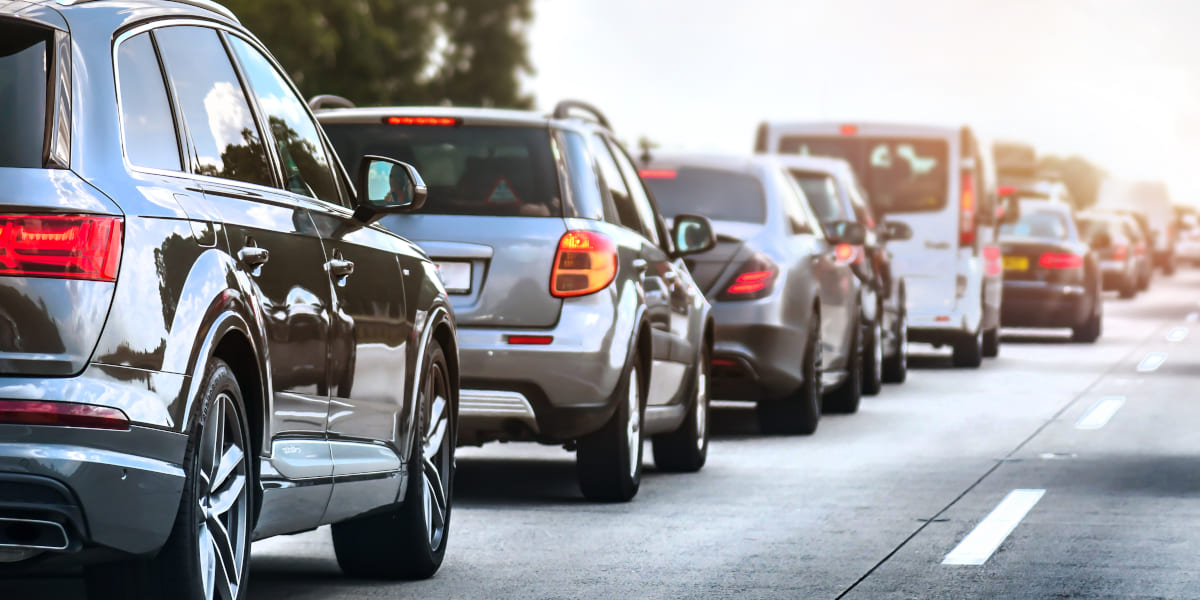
(387, 186)
(1009, 210)
(847, 232)
(693, 234)
(1101, 241)
(895, 231)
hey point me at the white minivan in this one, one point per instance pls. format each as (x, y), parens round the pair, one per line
(941, 182)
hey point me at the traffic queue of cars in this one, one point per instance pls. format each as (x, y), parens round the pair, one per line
(230, 314)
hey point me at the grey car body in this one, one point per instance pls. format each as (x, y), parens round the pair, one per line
(767, 226)
(236, 275)
(1114, 238)
(507, 189)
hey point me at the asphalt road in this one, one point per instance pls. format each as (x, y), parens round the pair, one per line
(1101, 442)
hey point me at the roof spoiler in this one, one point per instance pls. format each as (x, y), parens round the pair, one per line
(564, 108)
(325, 101)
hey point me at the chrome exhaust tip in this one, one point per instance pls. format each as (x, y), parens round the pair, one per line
(32, 534)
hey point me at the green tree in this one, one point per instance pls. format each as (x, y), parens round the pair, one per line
(1080, 175)
(469, 52)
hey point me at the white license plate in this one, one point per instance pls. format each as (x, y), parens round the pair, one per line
(456, 276)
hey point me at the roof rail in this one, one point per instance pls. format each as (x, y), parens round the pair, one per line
(324, 101)
(564, 108)
(206, 4)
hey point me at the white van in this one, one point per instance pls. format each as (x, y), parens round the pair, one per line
(941, 182)
(1151, 199)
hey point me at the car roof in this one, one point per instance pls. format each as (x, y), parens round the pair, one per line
(837, 167)
(197, 7)
(866, 128)
(486, 117)
(750, 164)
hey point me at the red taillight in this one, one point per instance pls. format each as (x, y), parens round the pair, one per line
(1006, 190)
(755, 280)
(993, 263)
(434, 121)
(585, 264)
(848, 129)
(1056, 260)
(848, 254)
(967, 210)
(68, 247)
(61, 414)
(530, 340)
(657, 174)
(1120, 251)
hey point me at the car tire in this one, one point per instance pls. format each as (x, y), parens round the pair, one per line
(408, 540)
(609, 461)
(1129, 287)
(848, 396)
(1144, 282)
(1168, 267)
(212, 524)
(686, 449)
(991, 343)
(800, 413)
(968, 350)
(895, 367)
(872, 371)
(1091, 329)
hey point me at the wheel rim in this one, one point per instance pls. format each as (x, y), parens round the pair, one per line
(633, 428)
(903, 346)
(877, 354)
(437, 454)
(223, 497)
(701, 403)
(818, 359)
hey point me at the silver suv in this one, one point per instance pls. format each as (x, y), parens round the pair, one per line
(578, 320)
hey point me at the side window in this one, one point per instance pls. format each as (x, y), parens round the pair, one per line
(637, 193)
(795, 204)
(583, 185)
(307, 167)
(227, 141)
(626, 212)
(146, 119)
(861, 210)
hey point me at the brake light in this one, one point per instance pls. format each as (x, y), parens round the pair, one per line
(434, 121)
(586, 263)
(1120, 251)
(966, 215)
(756, 279)
(993, 263)
(1056, 260)
(657, 174)
(530, 340)
(1006, 190)
(848, 129)
(62, 246)
(848, 254)
(61, 414)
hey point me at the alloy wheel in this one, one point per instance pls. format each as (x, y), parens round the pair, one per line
(223, 497)
(436, 454)
(633, 427)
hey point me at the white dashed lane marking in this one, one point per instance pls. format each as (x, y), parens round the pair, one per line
(1152, 362)
(978, 546)
(1100, 413)
(1177, 334)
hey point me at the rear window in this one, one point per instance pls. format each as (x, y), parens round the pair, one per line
(1038, 224)
(713, 193)
(1088, 228)
(469, 170)
(23, 75)
(822, 194)
(901, 175)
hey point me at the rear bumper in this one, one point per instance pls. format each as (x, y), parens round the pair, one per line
(755, 354)
(1040, 304)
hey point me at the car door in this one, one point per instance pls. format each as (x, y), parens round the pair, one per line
(653, 267)
(369, 325)
(280, 260)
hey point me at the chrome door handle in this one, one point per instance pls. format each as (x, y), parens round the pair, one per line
(253, 256)
(340, 267)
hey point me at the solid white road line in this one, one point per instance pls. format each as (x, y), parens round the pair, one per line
(1177, 335)
(1152, 362)
(1100, 413)
(978, 546)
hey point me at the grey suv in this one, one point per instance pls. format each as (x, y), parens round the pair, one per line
(203, 338)
(578, 320)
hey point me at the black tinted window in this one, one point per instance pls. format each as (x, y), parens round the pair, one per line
(717, 194)
(306, 166)
(822, 193)
(146, 118)
(227, 140)
(900, 175)
(637, 192)
(469, 170)
(23, 60)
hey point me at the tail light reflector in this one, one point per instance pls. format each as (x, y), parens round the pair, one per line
(530, 340)
(967, 211)
(60, 246)
(428, 121)
(1120, 251)
(586, 263)
(755, 280)
(61, 414)
(848, 254)
(658, 174)
(1056, 260)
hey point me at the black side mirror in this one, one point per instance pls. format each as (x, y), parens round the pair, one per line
(387, 186)
(693, 234)
(1101, 241)
(847, 232)
(895, 231)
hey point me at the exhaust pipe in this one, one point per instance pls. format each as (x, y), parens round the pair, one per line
(32, 534)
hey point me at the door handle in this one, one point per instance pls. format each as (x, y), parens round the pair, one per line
(937, 245)
(340, 267)
(253, 256)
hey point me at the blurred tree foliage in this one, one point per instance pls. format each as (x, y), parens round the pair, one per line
(1080, 175)
(462, 52)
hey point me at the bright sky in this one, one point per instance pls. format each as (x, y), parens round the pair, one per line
(1114, 80)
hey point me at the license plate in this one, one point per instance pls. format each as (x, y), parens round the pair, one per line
(456, 276)
(1016, 263)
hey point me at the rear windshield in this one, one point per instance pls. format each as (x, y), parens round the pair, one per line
(23, 76)
(469, 170)
(713, 193)
(1038, 224)
(1088, 228)
(900, 175)
(822, 195)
